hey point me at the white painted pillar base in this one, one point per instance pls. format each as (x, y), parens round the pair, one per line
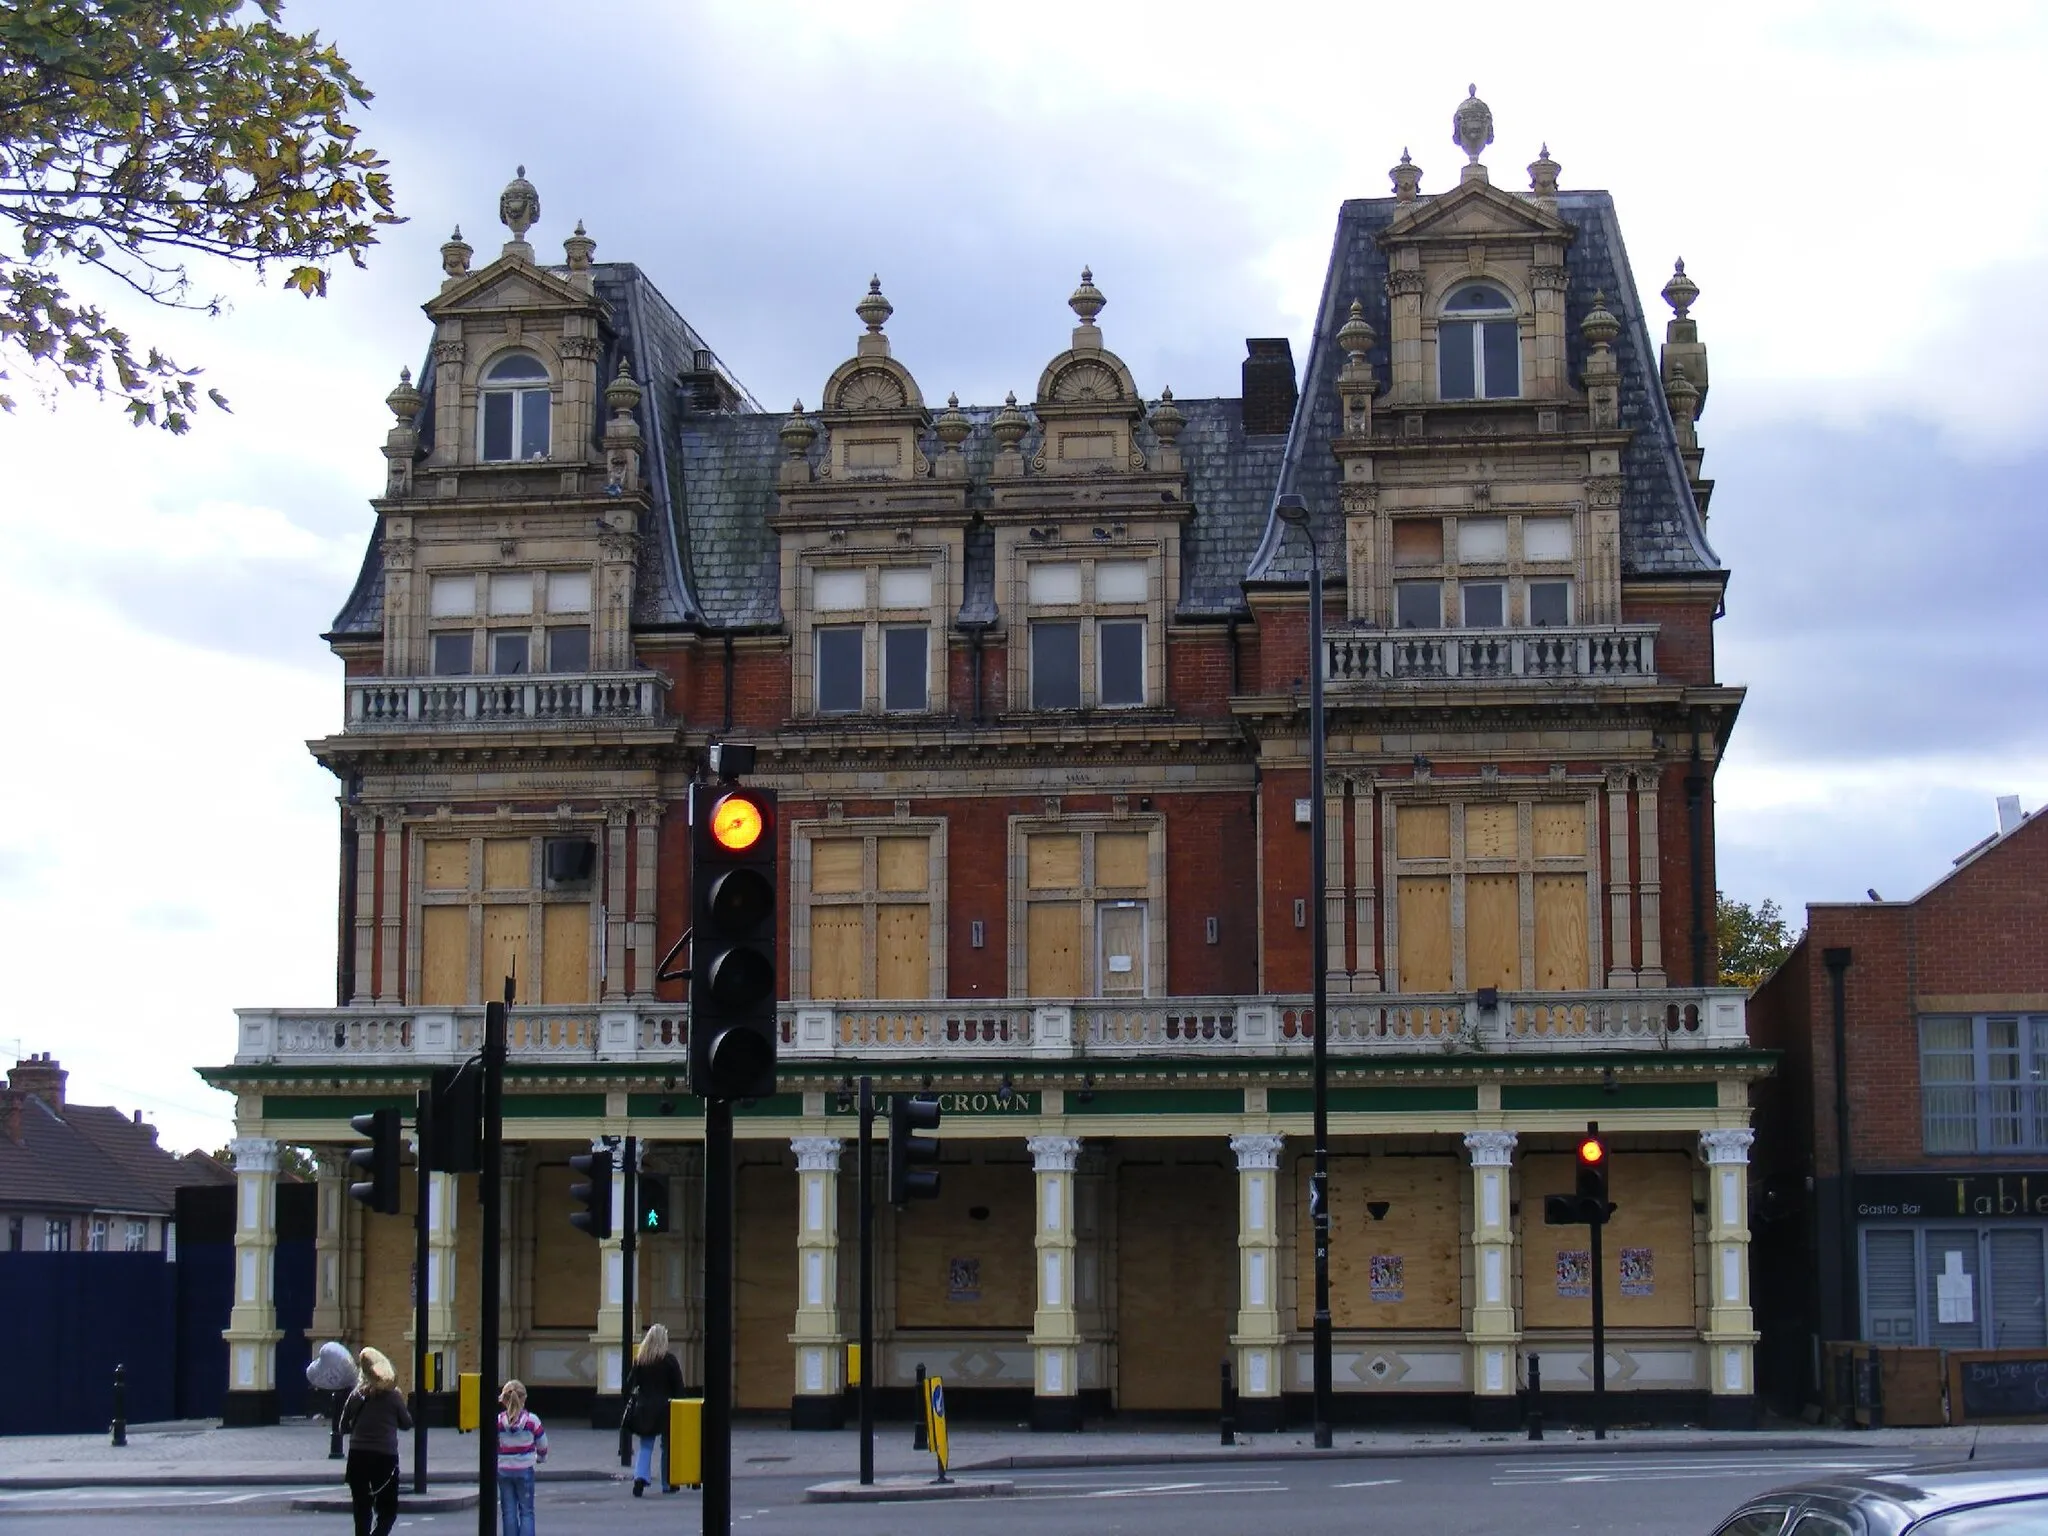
(819, 1338)
(1055, 1327)
(1257, 1338)
(1730, 1334)
(252, 1332)
(1494, 1335)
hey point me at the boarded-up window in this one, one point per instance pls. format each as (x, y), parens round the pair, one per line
(1418, 541)
(1400, 1271)
(1120, 860)
(1646, 1250)
(566, 1266)
(565, 953)
(1053, 937)
(1089, 896)
(1560, 831)
(445, 864)
(1493, 947)
(838, 937)
(505, 951)
(1489, 831)
(964, 1260)
(903, 863)
(480, 918)
(1425, 918)
(1054, 862)
(1121, 925)
(836, 865)
(1423, 832)
(508, 864)
(444, 956)
(903, 951)
(871, 919)
(1561, 957)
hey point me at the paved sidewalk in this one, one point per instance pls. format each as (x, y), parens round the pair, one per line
(200, 1453)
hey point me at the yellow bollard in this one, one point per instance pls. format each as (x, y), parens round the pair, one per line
(853, 1365)
(469, 1402)
(686, 1441)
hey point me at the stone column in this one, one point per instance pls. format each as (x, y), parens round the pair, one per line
(1494, 1334)
(390, 911)
(611, 1297)
(1364, 885)
(616, 909)
(1650, 880)
(1620, 886)
(1336, 968)
(444, 1325)
(1055, 1331)
(1257, 1338)
(646, 865)
(1091, 1285)
(330, 1307)
(819, 1394)
(252, 1332)
(1730, 1335)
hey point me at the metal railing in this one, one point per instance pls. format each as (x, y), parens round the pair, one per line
(1524, 1024)
(1591, 653)
(567, 698)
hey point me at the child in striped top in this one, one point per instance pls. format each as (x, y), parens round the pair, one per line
(522, 1445)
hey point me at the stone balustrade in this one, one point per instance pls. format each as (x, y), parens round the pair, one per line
(1677, 1019)
(542, 699)
(1582, 653)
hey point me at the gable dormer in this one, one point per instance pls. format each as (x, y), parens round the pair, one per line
(873, 411)
(1476, 282)
(1088, 401)
(516, 351)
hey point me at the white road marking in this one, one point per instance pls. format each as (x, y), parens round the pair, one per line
(1622, 1470)
(1371, 1482)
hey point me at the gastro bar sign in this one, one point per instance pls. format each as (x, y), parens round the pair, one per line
(2005, 1194)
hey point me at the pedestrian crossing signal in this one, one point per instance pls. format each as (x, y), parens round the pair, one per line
(653, 1199)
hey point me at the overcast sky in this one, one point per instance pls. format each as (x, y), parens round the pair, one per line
(1856, 189)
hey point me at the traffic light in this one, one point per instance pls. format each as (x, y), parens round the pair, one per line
(383, 1159)
(594, 1195)
(1592, 1186)
(455, 1122)
(908, 1149)
(653, 1217)
(732, 942)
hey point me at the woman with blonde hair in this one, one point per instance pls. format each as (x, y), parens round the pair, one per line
(522, 1446)
(656, 1378)
(371, 1418)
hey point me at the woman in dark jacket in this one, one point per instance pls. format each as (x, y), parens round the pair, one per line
(656, 1377)
(371, 1418)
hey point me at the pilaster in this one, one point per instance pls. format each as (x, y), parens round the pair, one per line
(819, 1338)
(330, 1238)
(1055, 1327)
(611, 1271)
(1650, 901)
(1336, 891)
(1730, 1334)
(1620, 886)
(444, 1327)
(1257, 1338)
(646, 865)
(1364, 885)
(616, 905)
(252, 1332)
(391, 910)
(1494, 1333)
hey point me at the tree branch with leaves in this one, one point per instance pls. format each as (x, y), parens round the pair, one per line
(1752, 941)
(139, 135)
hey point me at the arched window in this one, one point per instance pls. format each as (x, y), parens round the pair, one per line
(1478, 346)
(514, 418)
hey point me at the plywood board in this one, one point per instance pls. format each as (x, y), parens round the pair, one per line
(838, 949)
(505, 951)
(565, 953)
(1561, 958)
(903, 951)
(1052, 934)
(1490, 832)
(508, 864)
(1493, 929)
(566, 1267)
(445, 864)
(1651, 1235)
(903, 863)
(1401, 1271)
(764, 1286)
(444, 956)
(1053, 861)
(1418, 541)
(387, 1284)
(1560, 831)
(1176, 1284)
(1121, 860)
(1425, 917)
(835, 865)
(966, 1259)
(1422, 832)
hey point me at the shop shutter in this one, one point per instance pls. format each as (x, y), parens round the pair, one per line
(1952, 1251)
(2019, 1298)
(1889, 1290)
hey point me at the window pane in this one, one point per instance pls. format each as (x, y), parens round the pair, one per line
(1550, 602)
(512, 593)
(1054, 584)
(1120, 581)
(1546, 538)
(1455, 380)
(1482, 538)
(906, 656)
(839, 591)
(520, 365)
(533, 424)
(1503, 346)
(451, 654)
(1478, 296)
(1418, 604)
(569, 648)
(1483, 608)
(1948, 1084)
(839, 680)
(451, 597)
(1120, 658)
(1056, 665)
(568, 591)
(498, 426)
(508, 653)
(907, 589)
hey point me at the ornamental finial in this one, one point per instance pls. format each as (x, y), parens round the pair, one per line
(1472, 125)
(519, 205)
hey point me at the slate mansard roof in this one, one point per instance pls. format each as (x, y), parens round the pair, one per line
(712, 561)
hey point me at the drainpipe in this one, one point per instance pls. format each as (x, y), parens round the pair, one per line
(1837, 962)
(1696, 837)
(728, 681)
(1236, 658)
(975, 633)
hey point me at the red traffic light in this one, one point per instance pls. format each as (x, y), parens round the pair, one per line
(738, 822)
(1591, 1151)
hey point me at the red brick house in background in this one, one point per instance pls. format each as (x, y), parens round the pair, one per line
(1927, 1020)
(85, 1177)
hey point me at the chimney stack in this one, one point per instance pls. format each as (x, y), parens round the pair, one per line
(41, 1076)
(10, 1115)
(2009, 814)
(1270, 392)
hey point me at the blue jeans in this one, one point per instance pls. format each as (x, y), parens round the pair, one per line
(515, 1502)
(643, 1460)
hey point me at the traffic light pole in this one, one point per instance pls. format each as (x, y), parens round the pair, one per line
(718, 1208)
(628, 1264)
(488, 1288)
(1599, 1328)
(864, 1171)
(421, 1256)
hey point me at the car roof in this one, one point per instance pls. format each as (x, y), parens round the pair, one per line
(1923, 1490)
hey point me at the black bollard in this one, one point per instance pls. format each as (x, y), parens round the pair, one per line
(1229, 1425)
(334, 1401)
(919, 1439)
(1535, 1397)
(120, 1405)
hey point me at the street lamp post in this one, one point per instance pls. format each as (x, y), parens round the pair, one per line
(1294, 509)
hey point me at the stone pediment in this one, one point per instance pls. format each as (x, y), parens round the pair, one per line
(1476, 210)
(1094, 379)
(869, 386)
(509, 283)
